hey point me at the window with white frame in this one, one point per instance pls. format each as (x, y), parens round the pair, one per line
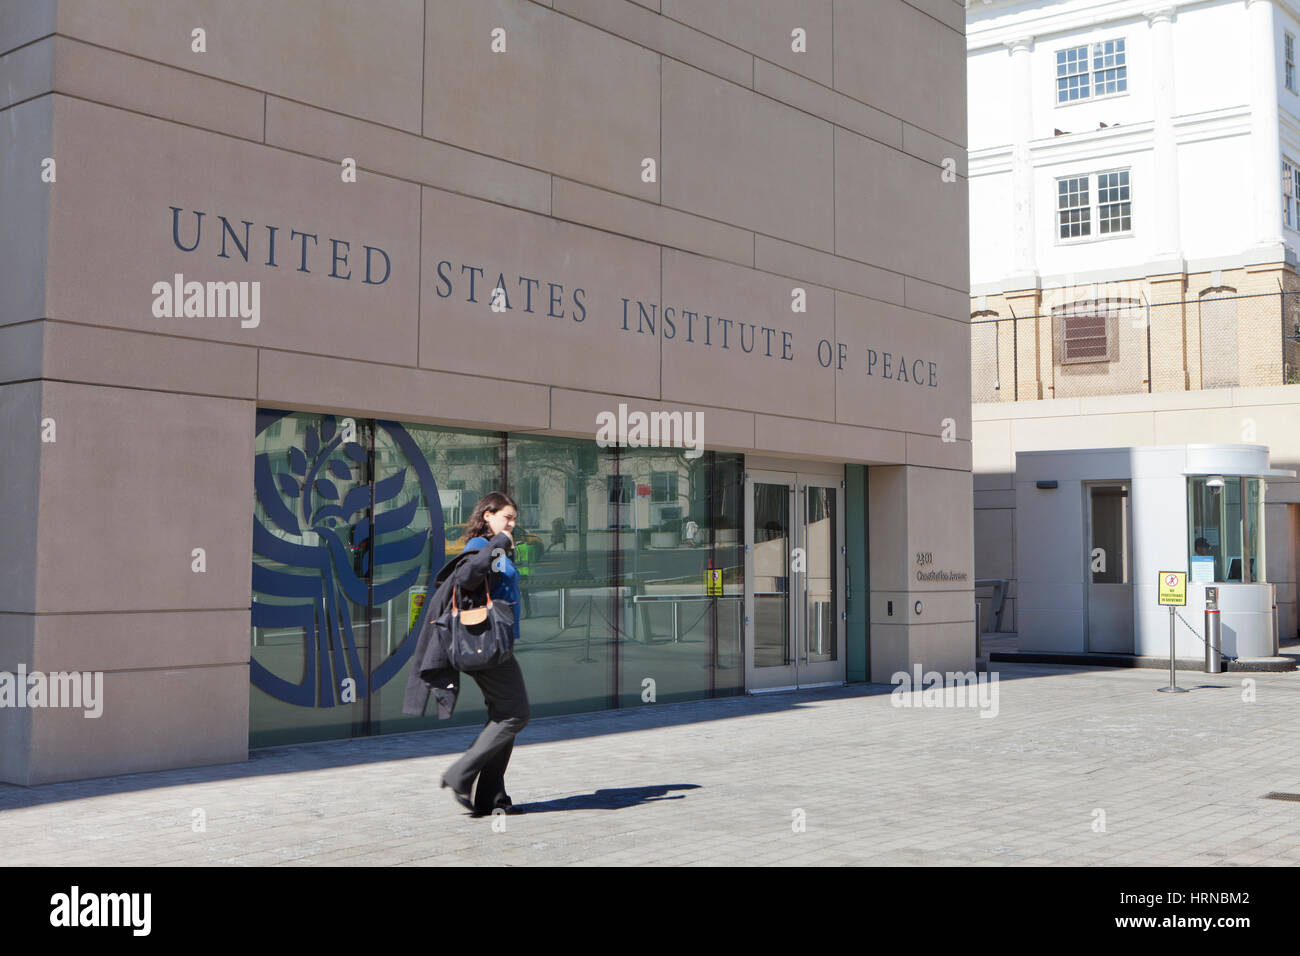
(1091, 70)
(1072, 74)
(1103, 198)
(1109, 68)
(1288, 44)
(1114, 207)
(1073, 207)
(1289, 179)
(1295, 192)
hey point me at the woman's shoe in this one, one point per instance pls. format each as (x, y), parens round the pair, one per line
(505, 806)
(461, 798)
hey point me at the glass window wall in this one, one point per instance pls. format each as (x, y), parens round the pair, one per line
(310, 592)
(568, 575)
(353, 518)
(469, 460)
(680, 637)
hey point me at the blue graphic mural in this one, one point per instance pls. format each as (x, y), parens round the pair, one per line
(317, 554)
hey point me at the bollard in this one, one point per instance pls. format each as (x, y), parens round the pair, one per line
(1277, 647)
(1213, 633)
(1213, 645)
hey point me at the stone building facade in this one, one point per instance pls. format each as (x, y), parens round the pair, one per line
(287, 286)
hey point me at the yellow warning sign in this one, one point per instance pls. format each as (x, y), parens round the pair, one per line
(1173, 588)
(417, 598)
(713, 582)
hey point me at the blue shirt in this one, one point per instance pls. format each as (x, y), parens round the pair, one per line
(507, 586)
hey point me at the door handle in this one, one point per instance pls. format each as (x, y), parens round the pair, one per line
(806, 630)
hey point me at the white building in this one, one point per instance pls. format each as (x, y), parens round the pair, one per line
(1134, 213)
(1130, 139)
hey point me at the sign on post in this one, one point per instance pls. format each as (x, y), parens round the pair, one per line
(1173, 588)
(713, 582)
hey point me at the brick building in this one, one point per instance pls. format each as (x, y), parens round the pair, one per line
(1135, 214)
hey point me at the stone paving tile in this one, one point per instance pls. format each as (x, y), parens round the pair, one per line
(718, 781)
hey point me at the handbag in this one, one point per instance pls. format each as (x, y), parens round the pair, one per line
(478, 637)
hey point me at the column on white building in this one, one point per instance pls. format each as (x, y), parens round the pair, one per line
(1166, 229)
(1265, 134)
(1020, 100)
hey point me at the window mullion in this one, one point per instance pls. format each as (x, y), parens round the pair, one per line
(1095, 182)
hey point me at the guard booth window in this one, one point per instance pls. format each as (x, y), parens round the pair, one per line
(1225, 529)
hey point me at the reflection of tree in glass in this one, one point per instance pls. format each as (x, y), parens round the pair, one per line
(557, 463)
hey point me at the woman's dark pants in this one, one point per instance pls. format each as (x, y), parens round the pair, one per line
(487, 758)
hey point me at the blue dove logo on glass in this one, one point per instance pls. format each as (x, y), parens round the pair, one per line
(335, 548)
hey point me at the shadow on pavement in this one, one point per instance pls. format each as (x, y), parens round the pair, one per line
(617, 798)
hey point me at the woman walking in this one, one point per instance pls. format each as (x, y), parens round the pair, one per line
(477, 779)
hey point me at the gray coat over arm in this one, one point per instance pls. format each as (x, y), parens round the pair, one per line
(431, 671)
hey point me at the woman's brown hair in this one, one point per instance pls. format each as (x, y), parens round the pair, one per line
(493, 501)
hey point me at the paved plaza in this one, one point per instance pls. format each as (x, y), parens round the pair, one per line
(1077, 766)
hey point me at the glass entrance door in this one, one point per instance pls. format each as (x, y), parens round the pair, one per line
(794, 569)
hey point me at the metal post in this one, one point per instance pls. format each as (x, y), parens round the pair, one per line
(1277, 646)
(1172, 682)
(1213, 639)
(979, 649)
(1015, 356)
(1148, 305)
(1173, 687)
